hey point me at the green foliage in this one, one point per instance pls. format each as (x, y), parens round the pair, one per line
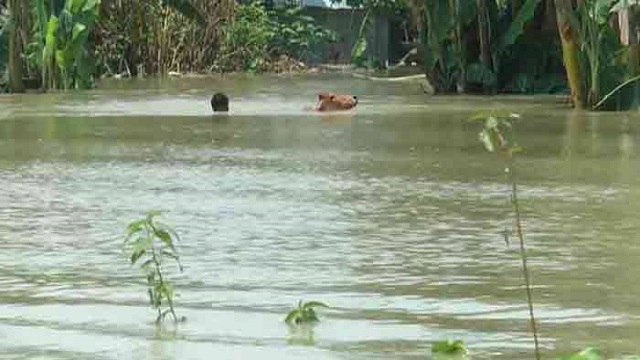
(42, 27)
(151, 242)
(360, 47)
(519, 60)
(516, 28)
(304, 313)
(481, 74)
(497, 133)
(526, 61)
(4, 45)
(61, 50)
(247, 38)
(257, 36)
(443, 41)
(532, 65)
(449, 347)
(358, 51)
(603, 59)
(294, 32)
(595, 38)
(497, 136)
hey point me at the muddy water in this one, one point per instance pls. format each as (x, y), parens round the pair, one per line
(392, 214)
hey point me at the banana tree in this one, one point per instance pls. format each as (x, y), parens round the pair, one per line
(15, 48)
(64, 42)
(570, 50)
(596, 60)
(464, 41)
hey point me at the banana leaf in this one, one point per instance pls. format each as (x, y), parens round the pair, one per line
(525, 15)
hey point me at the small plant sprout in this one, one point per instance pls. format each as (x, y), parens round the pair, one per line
(305, 313)
(449, 349)
(152, 242)
(497, 137)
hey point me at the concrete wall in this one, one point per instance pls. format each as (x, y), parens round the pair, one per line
(346, 23)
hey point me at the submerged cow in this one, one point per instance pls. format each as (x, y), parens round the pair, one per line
(333, 102)
(326, 102)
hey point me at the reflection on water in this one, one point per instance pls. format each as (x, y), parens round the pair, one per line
(392, 214)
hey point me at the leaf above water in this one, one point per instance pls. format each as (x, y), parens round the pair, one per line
(449, 347)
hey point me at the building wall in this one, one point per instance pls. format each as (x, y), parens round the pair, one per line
(346, 23)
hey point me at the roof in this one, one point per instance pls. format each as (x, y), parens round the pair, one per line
(327, 4)
(339, 4)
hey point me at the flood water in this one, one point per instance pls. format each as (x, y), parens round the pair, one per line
(393, 214)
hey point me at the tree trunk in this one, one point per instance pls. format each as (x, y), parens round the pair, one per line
(634, 48)
(15, 48)
(483, 34)
(633, 54)
(570, 52)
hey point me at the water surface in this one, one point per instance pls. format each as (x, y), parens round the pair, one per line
(392, 213)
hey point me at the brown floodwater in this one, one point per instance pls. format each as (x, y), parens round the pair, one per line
(393, 214)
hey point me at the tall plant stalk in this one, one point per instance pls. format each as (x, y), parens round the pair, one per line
(15, 48)
(497, 136)
(523, 252)
(153, 241)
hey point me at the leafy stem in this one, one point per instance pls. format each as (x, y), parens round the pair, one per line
(155, 241)
(523, 252)
(304, 313)
(497, 137)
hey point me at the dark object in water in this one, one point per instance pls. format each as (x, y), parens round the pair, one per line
(219, 102)
(333, 102)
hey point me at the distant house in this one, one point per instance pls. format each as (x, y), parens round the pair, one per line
(346, 21)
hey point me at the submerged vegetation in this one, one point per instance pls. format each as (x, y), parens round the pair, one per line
(152, 242)
(497, 136)
(304, 313)
(449, 349)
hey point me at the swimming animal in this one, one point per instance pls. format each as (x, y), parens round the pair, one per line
(333, 102)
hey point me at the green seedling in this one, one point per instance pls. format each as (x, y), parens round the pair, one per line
(449, 348)
(497, 136)
(305, 313)
(150, 243)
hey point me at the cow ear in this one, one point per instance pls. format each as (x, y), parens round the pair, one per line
(332, 97)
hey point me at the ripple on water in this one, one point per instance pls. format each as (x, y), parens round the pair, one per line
(404, 251)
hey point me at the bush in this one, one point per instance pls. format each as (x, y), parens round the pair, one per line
(247, 37)
(259, 38)
(295, 32)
